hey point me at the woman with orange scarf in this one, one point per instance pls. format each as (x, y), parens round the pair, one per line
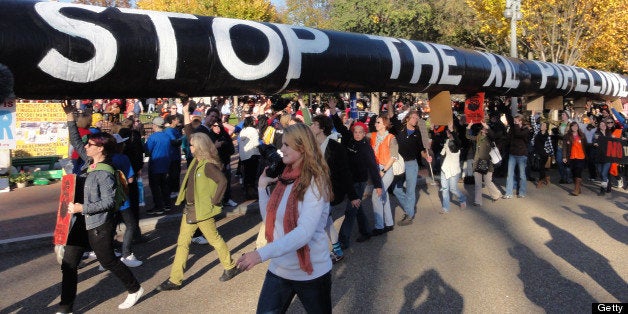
(574, 155)
(295, 215)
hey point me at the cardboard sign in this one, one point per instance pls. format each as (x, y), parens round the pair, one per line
(62, 228)
(613, 150)
(474, 108)
(441, 113)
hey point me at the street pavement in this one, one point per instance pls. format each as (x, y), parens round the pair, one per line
(548, 252)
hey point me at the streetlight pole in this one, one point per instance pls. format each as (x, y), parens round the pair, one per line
(513, 12)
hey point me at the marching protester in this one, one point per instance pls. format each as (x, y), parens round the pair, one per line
(341, 179)
(483, 141)
(157, 147)
(93, 223)
(574, 143)
(202, 191)
(601, 135)
(450, 170)
(295, 215)
(411, 149)
(385, 147)
(519, 137)
(542, 147)
(363, 166)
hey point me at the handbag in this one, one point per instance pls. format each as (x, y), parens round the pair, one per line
(481, 166)
(496, 157)
(398, 167)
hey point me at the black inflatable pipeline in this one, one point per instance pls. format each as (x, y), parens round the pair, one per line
(64, 50)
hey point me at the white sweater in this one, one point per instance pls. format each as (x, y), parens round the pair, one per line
(451, 165)
(310, 230)
(248, 142)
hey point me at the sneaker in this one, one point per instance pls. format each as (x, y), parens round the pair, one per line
(168, 285)
(142, 204)
(463, 205)
(507, 197)
(155, 211)
(167, 208)
(89, 254)
(335, 258)
(231, 203)
(443, 211)
(131, 261)
(174, 195)
(521, 196)
(131, 299)
(406, 220)
(389, 228)
(199, 240)
(100, 268)
(59, 251)
(229, 274)
(363, 238)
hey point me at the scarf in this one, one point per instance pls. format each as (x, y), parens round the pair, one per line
(289, 176)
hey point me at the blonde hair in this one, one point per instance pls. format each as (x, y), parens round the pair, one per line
(204, 148)
(313, 166)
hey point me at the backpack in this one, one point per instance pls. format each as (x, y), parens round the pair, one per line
(122, 185)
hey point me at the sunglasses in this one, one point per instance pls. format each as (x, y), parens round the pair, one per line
(215, 124)
(88, 144)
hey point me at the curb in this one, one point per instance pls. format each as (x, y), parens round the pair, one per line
(45, 240)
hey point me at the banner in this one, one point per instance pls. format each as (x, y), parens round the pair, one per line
(60, 50)
(612, 150)
(62, 228)
(41, 130)
(7, 124)
(474, 108)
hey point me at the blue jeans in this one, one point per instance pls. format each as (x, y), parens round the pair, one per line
(351, 213)
(450, 184)
(407, 199)
(277, 294)
(510, 179)
(602, 169)
(563, 170)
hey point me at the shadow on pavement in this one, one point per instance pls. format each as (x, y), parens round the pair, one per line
(614, 229)
(545, 286)
(583, 258)
(441, 297)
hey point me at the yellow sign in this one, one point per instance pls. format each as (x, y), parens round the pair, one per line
(41, 130)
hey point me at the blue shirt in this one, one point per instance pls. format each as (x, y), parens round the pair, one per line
(158, 148)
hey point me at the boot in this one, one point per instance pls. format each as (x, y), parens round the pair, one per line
(547, 180)
(576, 190)
(602, 191)
(608, 186)
(540, 183)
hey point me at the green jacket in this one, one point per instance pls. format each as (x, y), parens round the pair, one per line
(205, 190)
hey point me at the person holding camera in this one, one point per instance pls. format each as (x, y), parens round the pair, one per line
(202, 190)
(295, 215)
(482, 141)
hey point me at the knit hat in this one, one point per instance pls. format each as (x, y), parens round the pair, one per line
(96, 117)
(360, 124)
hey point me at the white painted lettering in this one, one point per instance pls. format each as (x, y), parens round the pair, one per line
(105, 45)
(510, 77)
(592, 87)
(580, 77)
(298, 46)
(394, 54)
(166, 38)
(231, 61)
(448, 61)
(546, 71)
(423, 58)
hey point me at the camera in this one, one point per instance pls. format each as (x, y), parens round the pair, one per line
(272, 158)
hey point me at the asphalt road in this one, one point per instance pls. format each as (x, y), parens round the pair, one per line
(549, 252)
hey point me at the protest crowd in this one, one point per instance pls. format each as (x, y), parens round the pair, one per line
(302, 162)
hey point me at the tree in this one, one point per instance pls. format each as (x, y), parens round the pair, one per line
(106, 3)
(588, 33)
(310, 13)
(257, 10)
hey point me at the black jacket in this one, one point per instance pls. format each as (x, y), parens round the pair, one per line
(360, 154)
(340, 174)
(410, 145)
